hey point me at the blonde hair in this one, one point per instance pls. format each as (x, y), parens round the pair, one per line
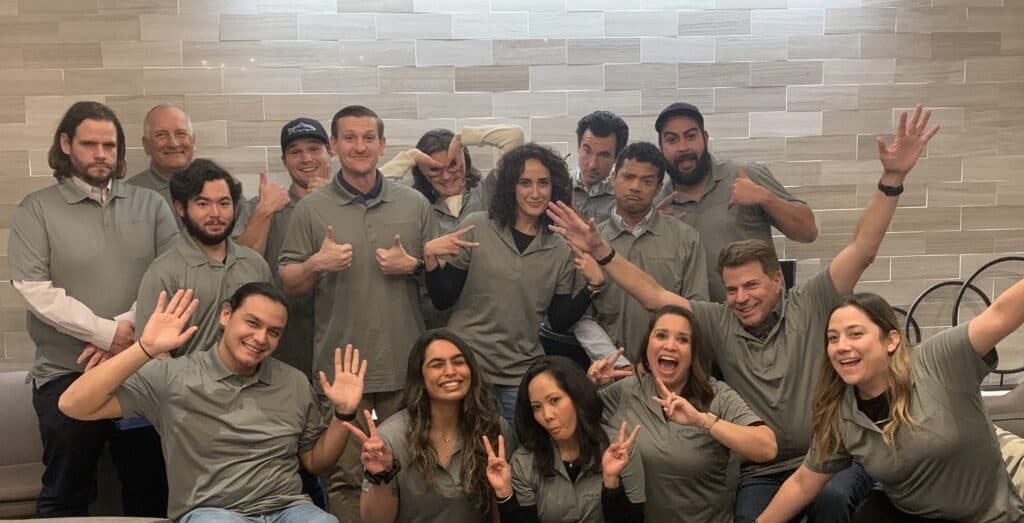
(828, 395)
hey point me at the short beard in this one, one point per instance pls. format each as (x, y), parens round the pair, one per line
(82, 172)
(197, 232)
(693, 177)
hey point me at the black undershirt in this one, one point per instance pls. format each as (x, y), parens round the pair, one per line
(876, 409)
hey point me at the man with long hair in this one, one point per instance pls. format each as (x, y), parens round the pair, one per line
(77, 252)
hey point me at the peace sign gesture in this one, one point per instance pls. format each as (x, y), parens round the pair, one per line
(376, 455)
(603, 371)
(616, 456)
(499, 473)
(677, 408)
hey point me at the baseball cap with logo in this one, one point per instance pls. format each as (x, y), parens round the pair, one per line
(303, 128)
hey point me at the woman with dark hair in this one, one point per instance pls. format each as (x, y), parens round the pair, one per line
(690, 420)
(515, 272)
(427, 463)
(566, 470)
(913, 417)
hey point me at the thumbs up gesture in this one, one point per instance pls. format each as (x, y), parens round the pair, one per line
(745, 191)
(333, 256)
(273, 197)
(395, 260)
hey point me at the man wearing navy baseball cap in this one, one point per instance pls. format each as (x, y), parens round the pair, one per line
(725, 200)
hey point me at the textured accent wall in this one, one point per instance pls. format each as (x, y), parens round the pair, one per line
(802, 85)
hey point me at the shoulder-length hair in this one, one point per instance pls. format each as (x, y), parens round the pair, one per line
(479, 418)
(432, 141)
(697, 390)
(573, 381)
(61, 162)
(828, 394)
(503, 202)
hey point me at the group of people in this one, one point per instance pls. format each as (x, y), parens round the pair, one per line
(159, 302)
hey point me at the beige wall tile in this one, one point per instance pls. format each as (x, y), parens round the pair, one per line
(12, 109)
(340, 80)
(977, 142)
(458, 105)
(796, 173)
(855, 122)
(490, 25)
(565, 77)
(860, 20)
(33, 82)
(714, 75)
(220, 54)
(10, 56)
(453, 52)
(961, 194)
(750, 149)
(259, 27)
(325, 26)
(824, 47)
(721, 22)
(380, 52)
(29, 28)
(782, 123)
(739, 100)
(137, 7)
(293, 54)
(826, 196)
(1012, 43)
(224, 107)
(787, 21)
(243, 133)
(899, 45)
(931, 267)
(141, 54)
(933, 71)
(103, 81)
(92, 28)
(414, 26)
(553, 129)
(234, 7)
(640, 76)
(938, 169)
(532, 52)
(983, 168)
(417, 80)
(181, 81)
(567, 25)
(528, 5)
(518, 104)
(874, 71)
(998, 217)
(493, 78)
(750, 48)
(389, 6)
(297, 6)
(654, 100)
(727, 125)
(911, 219)
(838, 221)
(48, 110)
(822, 98)
(256, 80)
(748, 4)
(640, 23)
(995, 68)
(764, 74)
(190, 27)
(959, 242)
(619, 102)
(913, 195)
(1001, 19)
(57, 7)
(821, 148)
(13, 164)
(963, 45)
(895, 95)
(678, 49)
(41, 56)
(321, 106)
(600, 51)
(408, 132)
(133, 109)
(601, 5)
(974, 95)
(931, 19)
(850, 171)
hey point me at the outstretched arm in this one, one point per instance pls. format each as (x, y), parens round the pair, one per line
(1004, 316)
(897, 160)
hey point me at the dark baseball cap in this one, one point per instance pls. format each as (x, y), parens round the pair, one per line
(303, 128)
(678, 109)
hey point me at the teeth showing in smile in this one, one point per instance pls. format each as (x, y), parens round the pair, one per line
(668, 362)
(450, 386)
(849, 362)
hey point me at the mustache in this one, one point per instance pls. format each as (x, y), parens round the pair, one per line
(685, 156)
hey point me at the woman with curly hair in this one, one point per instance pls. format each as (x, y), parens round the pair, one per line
(913, 417)
(427, 463)
(689, 421)
(505, 270)
(567, 468)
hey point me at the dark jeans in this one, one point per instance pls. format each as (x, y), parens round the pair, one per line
(878, 507)
(71, 450)
(835, 503)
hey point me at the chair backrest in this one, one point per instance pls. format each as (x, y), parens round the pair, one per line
(21, 443)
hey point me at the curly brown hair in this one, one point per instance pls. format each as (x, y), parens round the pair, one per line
(503, 203)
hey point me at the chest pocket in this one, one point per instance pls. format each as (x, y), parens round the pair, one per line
(666, 270)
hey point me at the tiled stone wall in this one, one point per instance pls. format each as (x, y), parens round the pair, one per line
(803, 85)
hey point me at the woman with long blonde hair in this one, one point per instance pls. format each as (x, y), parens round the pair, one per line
(913, 417)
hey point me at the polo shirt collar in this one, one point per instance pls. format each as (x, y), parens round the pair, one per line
(849, 411)
(647, 224)
(72, 193)
(559, 465)
(158, 179)
(717, 176)
(215, 367)
(599, 188)
(196, 257)
(381, 191)
(771, 323)
(294, 196)
(542, 242)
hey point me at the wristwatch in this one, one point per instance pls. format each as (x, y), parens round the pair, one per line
(889, 190)
(420, 267)
(383, 478)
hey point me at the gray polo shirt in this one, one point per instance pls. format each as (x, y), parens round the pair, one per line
(231, 442)
(950, 466)
(718, 224)
(154, 181)
(418, 503)
(506, 295)
(96, 253)
(668, 250)
(776, 376)
(379, 314)
(685, 468)
(185, 266)
(560, 500)
(296, 345)
(596, 202)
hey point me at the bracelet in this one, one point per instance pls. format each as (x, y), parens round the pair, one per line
(503, 501)
(144, 351)
(382, 478)
(604, 261)
(889, 190)
(708, 425)
(344, 417)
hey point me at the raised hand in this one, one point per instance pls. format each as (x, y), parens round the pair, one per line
(456, 155)
(745, 191)
(603, 371)
(395, 260)
(677, 408)
(273, 197)
(588, 266)
(616, 456)
(333, 256)
(163, 332)
(583, 235)
(91, 356)
(426, 164)
(450, 244)
(376, 455)
(347, 388)
(911, 138)
(499, 473)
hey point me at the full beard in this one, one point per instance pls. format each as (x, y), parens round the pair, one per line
(691, 177)
(196, 231)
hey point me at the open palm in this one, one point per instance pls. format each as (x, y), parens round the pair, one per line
(911, 138)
